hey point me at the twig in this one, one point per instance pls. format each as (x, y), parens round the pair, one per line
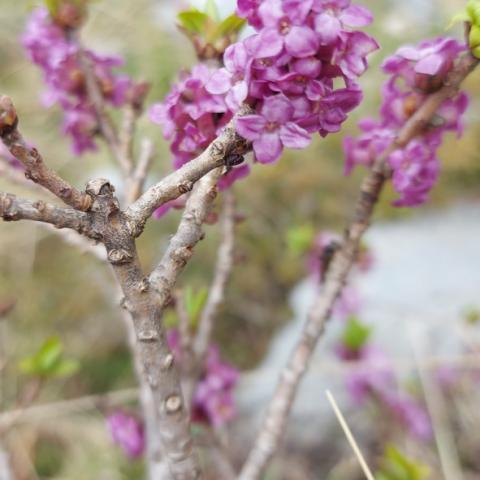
(36, 170)
(275, 420)
(223, 269)
(127, 133)
(17, 177)
(139, 176)
(189, 233)
(157, 362)
(107, 128)
(437, 409)
(74, 239)
(184, 330)
(13, 208)
(349, 435)
(5, 469)
(182, 180)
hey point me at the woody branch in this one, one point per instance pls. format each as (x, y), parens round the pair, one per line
(275, 420)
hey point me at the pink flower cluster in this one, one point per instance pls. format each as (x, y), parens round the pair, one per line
(213, 400)
(289, 71)
(415, 72)
(191, 118)
(372, 377)
(127, 432)
(51, 48)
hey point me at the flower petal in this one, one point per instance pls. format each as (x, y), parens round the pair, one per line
(301, 42)
(268, 147)
(250, 126)
(356, 16)
(293, 136)
(278, 109)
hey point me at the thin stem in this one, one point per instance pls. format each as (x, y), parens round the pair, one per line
(223, 270)
(275, 420)
(36, 170)
(105, 123)
(189, 233)
(139, 176)
(13, 208)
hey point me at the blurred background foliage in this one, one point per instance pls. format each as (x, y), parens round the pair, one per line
(59, 292)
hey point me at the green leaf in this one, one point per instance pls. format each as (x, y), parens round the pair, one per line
(65, 368)
(356, 334)
(49, 354)
(299, 239)
(473, 11)
(458, 18)
(193, 20)
(397, 466)
(231, 24)
(211, 10)
(472, 316)
(194, 302)
(48, 361)
(52, 6)
(474, 37)
(170, 319)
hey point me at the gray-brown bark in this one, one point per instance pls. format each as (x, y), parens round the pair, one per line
(223, 269)
(35, 168)
(182, 180)
(189, 233)
(13, 208)
(274, 424)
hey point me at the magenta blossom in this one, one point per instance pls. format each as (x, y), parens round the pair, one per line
(372, 377)
(232, 81)
(52, 48)
(127, 432)
(414, 73)
(273, 129)
(191, 116)
(285, 26)
(213, 400)
(295, 79)
(334, 17)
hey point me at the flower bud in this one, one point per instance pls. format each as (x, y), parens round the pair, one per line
(138, 94)
(8, 115)
(70, 15)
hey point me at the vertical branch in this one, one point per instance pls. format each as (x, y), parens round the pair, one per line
(35, 168)
(5, 470)
(223, 269)
(189, 233)
(139, 176)
(157, 362)
(437, 409)
(107, 128)
(275, 420)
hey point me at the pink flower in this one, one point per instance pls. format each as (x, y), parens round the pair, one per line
(127, 432)
(232, 81)
(335, 16)
(285, 26)
(273, 129)
(51, 48)
(213, 400)
(415, 72)
(372, 377)
(191, 116)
